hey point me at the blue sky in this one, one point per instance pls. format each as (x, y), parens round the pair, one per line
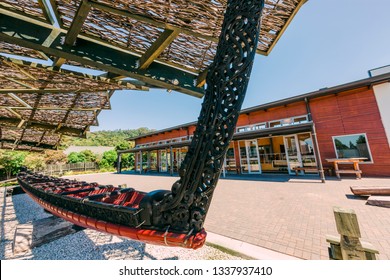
(329, 42)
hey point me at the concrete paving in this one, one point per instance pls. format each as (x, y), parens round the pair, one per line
(285, 214)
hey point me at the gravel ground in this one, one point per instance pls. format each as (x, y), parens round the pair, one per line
(86, 244)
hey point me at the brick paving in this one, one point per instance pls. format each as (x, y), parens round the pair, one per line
(290, 215)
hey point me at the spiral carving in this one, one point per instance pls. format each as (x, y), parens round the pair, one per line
(186, 206)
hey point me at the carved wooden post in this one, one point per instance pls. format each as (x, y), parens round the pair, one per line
(348, 246)
(184, 209)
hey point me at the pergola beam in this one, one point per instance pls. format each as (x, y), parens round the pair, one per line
(14, 122)
(18, 99)
(28, 143)
(280, 33)
(33, 35)
(46, 11)
(201, 81)
(57, 16)
(50, 108)
(77, 23)
(157, 47)
(18, 64)
(52, 90)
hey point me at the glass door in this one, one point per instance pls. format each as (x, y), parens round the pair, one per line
(243, 157)
(292, 152)
(307, 150)
(230, 160)
(163, 161)
(253, 159)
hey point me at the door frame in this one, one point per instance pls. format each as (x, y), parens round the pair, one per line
(299, 156)
(248, 159)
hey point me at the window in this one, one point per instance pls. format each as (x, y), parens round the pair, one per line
(352, 146)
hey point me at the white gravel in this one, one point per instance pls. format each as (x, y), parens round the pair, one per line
(86, 244)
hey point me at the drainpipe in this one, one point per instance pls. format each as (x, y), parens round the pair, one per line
(317, 153)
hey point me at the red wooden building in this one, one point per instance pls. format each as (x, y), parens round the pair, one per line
(292, 135)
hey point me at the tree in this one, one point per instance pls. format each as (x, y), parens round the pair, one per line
(109, 159)
(11, 162)
(89, 156)
(111, 138)
(361, 140)
(127, 160)
(55, 157)
(34, 161)
(75, 157)
(123, 145)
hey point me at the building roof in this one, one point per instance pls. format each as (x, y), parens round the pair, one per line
(322, 92)
(94, 149)
(298, 98)
(182, 126)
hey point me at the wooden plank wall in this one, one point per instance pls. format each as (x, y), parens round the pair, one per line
(352, 112)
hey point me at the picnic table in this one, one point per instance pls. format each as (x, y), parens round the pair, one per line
(354, 161)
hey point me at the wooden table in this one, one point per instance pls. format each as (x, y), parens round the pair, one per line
(355, 161)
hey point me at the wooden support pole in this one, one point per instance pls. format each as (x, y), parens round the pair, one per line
(140, 162)
(118, 167)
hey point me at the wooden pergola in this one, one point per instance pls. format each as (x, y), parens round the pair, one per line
(135, 45)
(39, 103)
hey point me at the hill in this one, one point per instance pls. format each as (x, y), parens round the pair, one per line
(111, 138)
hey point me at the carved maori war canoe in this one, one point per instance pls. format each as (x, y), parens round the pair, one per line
(104, 208)
(176, 217)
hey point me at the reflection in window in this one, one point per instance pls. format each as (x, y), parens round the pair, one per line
(352, 146)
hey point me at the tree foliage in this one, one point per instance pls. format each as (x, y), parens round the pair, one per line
(11, 162)
(111, 138)
(35, 161)
(109, 159)
(55, 157)
(75, 157)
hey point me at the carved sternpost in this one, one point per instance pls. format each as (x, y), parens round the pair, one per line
(185, 208)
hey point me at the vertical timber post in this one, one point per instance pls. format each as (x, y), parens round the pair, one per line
(348, 246)
(140, 162)
(184, 209)
(171, 160)
(118, 166)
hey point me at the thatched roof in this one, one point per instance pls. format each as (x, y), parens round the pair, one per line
(38, 104)
(154, 43)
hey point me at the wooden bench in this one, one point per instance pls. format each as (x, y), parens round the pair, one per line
(355, 163)
(311, 169)
(348, 171)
